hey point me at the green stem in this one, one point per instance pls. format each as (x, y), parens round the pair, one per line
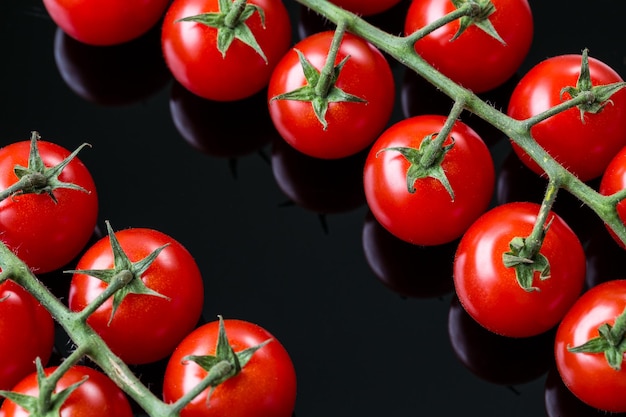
(327, 72)
(33, 181)
(218, 372)
(49, 384)
(583, 97)
(431, 153)
(465, 10)
(534, 241)
(117, 282)
(232, 17)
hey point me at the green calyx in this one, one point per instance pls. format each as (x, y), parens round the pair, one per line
(611, 342)
(525, 257)
(37, 178)
(599, 96)
(425, 162)
(226, 363)
(479, 12)
(126, 270)
(230, 22)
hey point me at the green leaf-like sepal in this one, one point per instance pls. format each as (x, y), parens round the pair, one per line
(525, 267)
(482, 9)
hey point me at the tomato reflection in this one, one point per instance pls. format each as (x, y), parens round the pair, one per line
(494, 358)
(112, 75)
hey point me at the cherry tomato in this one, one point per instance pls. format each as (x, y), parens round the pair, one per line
(489, 291)
(475, 59)
(145, 327)
(588, 375)
(428, 216)
(351, 126)
(366, 7)
(28, 331)
(191, 52)
(97, 396)
(614, 180)
(584, 147)
(105, 22)
(44, 233)
(266, 385)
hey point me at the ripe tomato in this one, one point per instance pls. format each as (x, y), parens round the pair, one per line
(145, 327)
(429, 216)
(583, 147)
(44, 233)
(366, 7)
(191, 49)
(475, 59)
(588, 375)
(105, 22)
(489, 290)
(97, 396)
(27, 329)
(614, 180)
(266, 385)
(351, 126)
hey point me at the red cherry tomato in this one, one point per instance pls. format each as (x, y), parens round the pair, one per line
(145, 328)
(614, 180)
(366, 7)
(489, 290)
(105, 22)
(475, 59)
(429, 216)
(28, 333)
(266, 385)
(45, 234)
(191, 52)
(98, 396)
(585, 148)
(588, 375)
(351, 126)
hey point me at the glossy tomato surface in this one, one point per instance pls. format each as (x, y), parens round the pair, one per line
(585, 147)
(428, 216)
(97, 396)
(475, 59)
(489, 290)
(266, 385)
(351, 126)
(44, 233)
(614, 180)
(28, 333)
(588, 375)
(105, 22)
(145, 328)
(191, 53)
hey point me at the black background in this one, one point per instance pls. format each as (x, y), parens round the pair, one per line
(285, 241)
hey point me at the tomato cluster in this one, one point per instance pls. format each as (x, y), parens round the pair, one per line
(429, 180)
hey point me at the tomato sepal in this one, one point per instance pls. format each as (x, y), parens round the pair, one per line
(480, 10)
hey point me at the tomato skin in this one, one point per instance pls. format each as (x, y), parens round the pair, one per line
(583, 148)
(98, 396)
(105, 22)
(482, 281)
(190, 50)
(588, 375)
(614, 180)
(44, 234)
(265, 387)
(366, 7)
(28, 327)
(428, 216)
(145, 328)
(475, 59)
(353, 126)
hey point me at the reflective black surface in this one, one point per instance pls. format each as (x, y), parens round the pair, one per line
(279, 242)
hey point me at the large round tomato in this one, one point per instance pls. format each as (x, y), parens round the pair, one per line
(105, 22)
(366, 7)
(614, 180)
(191, 49)
(97, 396)
(44, 233)
(266, 385)
(588, 375)
(429, 215)
(475, 59)
(585, 147)
(351, 126)
(145, 327)
(28, 333)
(489, 291)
